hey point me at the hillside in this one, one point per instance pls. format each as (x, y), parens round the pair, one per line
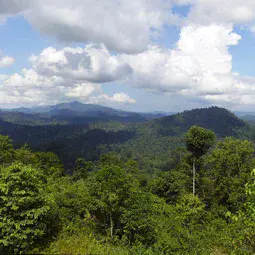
(153, 140)
(28, 118)
(220, 120)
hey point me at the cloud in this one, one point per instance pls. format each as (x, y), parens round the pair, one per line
(6, 61)
(10, 8)
(93, 93)
(122, 98)
(117, 22)
(119, 25)
(30, 88)
(13, 6)
(120, 47)
(117, 98)
(199, 67)
(200, 63)
(83, 91)
(216, 11)
(122, 26)
(94, 63)
(227, 12)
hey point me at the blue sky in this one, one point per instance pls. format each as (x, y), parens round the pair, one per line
(19, 40)
(243, 53)
(156, 56)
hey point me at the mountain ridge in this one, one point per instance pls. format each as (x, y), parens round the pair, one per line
(222, 121)
(72, 113)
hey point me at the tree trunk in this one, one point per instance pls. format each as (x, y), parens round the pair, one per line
(194, 177)
(111, 225)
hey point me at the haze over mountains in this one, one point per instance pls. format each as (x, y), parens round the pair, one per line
(73, 113)
(74, 106)
(77, 113)
(220, 120)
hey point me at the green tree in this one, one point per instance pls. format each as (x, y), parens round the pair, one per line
(48, 162)
(140, 218)
(71, 199)
(229, 167)
(198, 142)
(82, 168)
(110, 187)
(243, 222)
(182, 228)
(170, 185)
(25, 155)
(132, 167)
(6, 150)
(249, 213)
(110, 159)
(24, 211)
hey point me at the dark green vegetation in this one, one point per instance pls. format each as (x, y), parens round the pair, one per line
(128, 188)
(150, 143)
(221, 121)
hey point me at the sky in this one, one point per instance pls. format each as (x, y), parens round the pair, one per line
(143, 55)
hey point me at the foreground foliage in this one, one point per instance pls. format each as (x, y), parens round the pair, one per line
(114, 206)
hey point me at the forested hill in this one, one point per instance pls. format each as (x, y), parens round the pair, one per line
(151, 142)
(220, 120)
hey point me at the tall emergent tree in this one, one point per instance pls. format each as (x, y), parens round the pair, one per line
(198, 142)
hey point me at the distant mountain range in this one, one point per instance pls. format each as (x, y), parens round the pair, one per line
(74, 106)
(220, 120)
(249, 118)
(242, 114)
(73, 113)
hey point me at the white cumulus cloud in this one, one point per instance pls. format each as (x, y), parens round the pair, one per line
(93, 63)
(53, 79)
(199, 64)
(117, 98)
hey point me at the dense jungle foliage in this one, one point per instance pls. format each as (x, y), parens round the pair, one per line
(125, 188)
